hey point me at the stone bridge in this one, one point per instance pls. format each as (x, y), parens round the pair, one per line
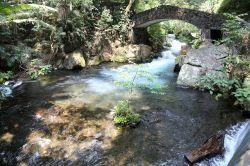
(203, 20)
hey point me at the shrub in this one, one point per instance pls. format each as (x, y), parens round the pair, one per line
(16, 55)
(242, 96)
(5, 76)
(38, 68)
(219, 84)
(124, 116)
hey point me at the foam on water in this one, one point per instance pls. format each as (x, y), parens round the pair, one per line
(157, 66)
(97, 85)
(232, 141)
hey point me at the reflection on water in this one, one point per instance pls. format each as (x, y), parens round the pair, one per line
(65, 119)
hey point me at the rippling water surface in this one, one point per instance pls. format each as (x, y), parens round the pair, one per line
(65, 119)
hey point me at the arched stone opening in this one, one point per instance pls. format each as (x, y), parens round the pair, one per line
(216, 34)
(143, 35)
(209, 23)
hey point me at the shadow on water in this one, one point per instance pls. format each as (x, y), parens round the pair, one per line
(65, 119)
(32, 120)
(171, 128)
(59, 122)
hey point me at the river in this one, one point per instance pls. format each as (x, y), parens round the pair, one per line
(66, 119)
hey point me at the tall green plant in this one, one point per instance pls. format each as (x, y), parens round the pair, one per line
(232, 30)
(134, 77)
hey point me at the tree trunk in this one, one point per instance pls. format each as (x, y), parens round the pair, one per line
(130, 5)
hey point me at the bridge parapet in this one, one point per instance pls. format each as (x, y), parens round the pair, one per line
(209, 23)
(200, 19)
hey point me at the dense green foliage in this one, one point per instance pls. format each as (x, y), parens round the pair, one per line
(229, 82)
(220, 84)
(239, 6)
(233, 31)
(37, 68)
(242, 96)
(47, 29)
(5, 76)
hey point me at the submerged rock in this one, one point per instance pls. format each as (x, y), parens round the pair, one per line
(198, 62)
(210, 148)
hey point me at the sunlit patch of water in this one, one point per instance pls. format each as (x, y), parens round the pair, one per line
(67, 118)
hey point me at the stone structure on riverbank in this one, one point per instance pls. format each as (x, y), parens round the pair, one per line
(209, 23)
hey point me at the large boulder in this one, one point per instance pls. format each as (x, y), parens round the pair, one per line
(139, 53)
(189, 76)
(72, 61)
(132, 53)
(198, 62)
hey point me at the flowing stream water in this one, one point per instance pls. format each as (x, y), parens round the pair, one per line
(65, 119)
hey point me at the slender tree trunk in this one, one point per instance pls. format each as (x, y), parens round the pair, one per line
(64, 9)
(129, 6)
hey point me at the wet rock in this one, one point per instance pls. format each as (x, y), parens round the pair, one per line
(101, 46)
(198, 62)
(210, 148)
(210, 57)
(245, 158)
(99, 136)
(153, 121)
(185, 49)
(179, 60)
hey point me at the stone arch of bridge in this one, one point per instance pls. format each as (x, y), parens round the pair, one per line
(209, 23)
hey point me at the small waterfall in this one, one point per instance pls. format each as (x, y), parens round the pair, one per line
(242, 146)
(236, 143)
